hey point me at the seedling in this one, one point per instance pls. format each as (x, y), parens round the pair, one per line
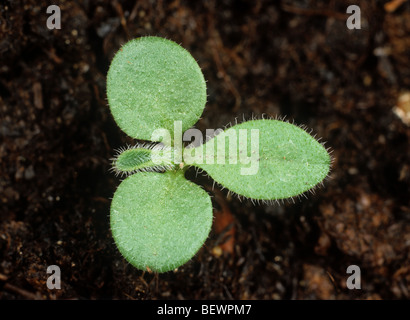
(159, 219)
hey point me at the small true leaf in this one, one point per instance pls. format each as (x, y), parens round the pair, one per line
(160, 220)
(152, 82)
(144, 157)
(285, 161)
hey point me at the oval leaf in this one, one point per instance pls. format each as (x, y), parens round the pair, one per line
(160, 220)
(153, 82)
(143, 157)
(263, 159)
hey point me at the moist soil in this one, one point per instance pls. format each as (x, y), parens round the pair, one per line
(261, 58)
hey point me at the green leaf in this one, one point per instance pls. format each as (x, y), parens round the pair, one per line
(144, 157)
(153, 82)
(160, 220)
(274, 159)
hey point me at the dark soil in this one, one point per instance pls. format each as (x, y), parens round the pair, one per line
(295, 58)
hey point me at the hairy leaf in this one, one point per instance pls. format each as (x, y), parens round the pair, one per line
(144, 157)
(263, 159)
(152, 82)
(160, 220)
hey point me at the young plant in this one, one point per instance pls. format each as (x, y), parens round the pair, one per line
(159, 219)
